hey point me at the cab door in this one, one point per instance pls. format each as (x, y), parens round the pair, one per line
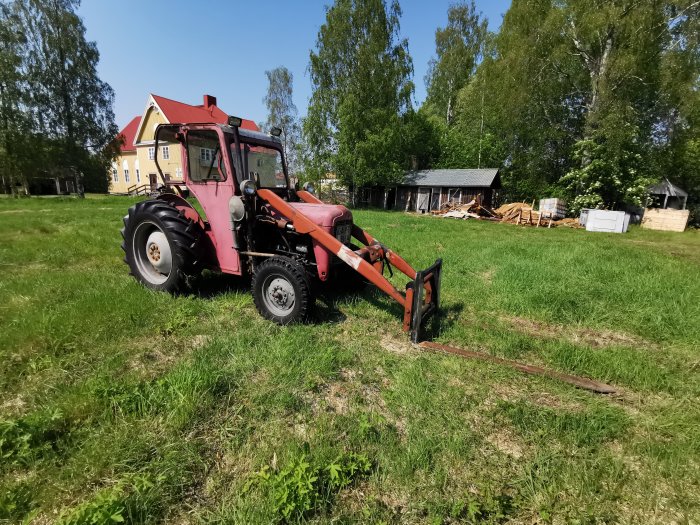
(210, 177)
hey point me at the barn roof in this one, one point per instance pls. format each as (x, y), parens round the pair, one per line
(666, 188)
(454, 178)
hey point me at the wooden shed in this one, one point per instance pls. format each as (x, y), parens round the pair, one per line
(668, 195)
(427, 190)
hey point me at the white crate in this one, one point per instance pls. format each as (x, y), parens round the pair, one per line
(607, 221)
(554, 208)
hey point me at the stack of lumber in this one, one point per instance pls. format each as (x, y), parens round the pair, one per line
(568, 223)
(513, 213)
(519, 213)
(471, 210)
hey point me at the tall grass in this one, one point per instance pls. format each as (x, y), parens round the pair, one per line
(117, 403)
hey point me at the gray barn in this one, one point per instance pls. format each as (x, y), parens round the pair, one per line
(428, 190)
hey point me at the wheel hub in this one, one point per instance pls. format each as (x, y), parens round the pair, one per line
(158, 252)
(279, 295)
(154, 253)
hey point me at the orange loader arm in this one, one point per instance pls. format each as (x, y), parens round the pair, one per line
(417, 305)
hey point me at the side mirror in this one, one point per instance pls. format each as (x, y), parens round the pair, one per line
(308, 186)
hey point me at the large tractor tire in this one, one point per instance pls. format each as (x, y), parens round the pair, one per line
(281, 290)
(162, 246)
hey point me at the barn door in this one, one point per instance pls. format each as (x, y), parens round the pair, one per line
(435, 199)
(423, 201)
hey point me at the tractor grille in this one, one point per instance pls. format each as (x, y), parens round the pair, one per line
(343, 231)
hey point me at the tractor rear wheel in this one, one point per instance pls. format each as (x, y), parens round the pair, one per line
(161, 245)
(281, 290)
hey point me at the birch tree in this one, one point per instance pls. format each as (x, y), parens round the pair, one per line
(282, 112)
(361, 77)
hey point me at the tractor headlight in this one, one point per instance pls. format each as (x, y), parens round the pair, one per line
(308, 186)
(248, 187)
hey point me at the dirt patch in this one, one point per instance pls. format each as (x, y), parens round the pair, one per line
(13, 405)
(398, 346)
(43, 210)
(587, 336)
(198, 341)
(487, 276)
(504, 441)
(154, 354)
(337, 398)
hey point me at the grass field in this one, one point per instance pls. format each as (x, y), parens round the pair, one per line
(119, 404)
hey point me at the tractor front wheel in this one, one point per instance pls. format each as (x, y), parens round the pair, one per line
(161, 245)
(281, 290)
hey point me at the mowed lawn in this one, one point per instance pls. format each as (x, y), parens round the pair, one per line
(120, 404)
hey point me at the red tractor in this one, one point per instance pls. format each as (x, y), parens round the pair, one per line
(255, 224)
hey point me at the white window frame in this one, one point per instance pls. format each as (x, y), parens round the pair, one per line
(178, 173)
(138, 175)
(115, 175)
(166, 152)
(205, 154)
(151, 153)
(126, 176)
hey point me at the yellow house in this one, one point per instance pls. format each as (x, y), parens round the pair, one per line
(134, 171)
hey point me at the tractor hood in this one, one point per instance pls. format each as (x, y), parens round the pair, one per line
(325, 215)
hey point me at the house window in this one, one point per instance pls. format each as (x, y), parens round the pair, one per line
(126, 176)
(166, 152)
(178, 173)
(151, 153)
(138, 175)
(115, 175)
(206, 154)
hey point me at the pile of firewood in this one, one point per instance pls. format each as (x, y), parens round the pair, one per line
(470, 210)
(513, 213)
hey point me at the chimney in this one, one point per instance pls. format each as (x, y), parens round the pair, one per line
(209, 101)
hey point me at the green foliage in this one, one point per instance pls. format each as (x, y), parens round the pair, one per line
(612, 171)
(482, 505)
(57, 113)
(30, 437)
(17, 501)
(301, 487)
(124, 502)
(360, 72)
(588, 99)
(458, 47)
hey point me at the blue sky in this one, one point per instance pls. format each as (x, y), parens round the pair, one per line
(182, 49)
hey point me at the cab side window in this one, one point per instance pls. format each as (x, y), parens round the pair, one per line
(204, 156)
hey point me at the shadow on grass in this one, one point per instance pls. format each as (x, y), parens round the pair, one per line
(211, 285)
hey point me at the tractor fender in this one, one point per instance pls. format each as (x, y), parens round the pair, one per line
(185, 207)
(207, 247)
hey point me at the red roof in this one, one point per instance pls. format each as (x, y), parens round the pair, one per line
(128, 134)
(178, 112)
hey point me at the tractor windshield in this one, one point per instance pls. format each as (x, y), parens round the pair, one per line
(263, 165)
